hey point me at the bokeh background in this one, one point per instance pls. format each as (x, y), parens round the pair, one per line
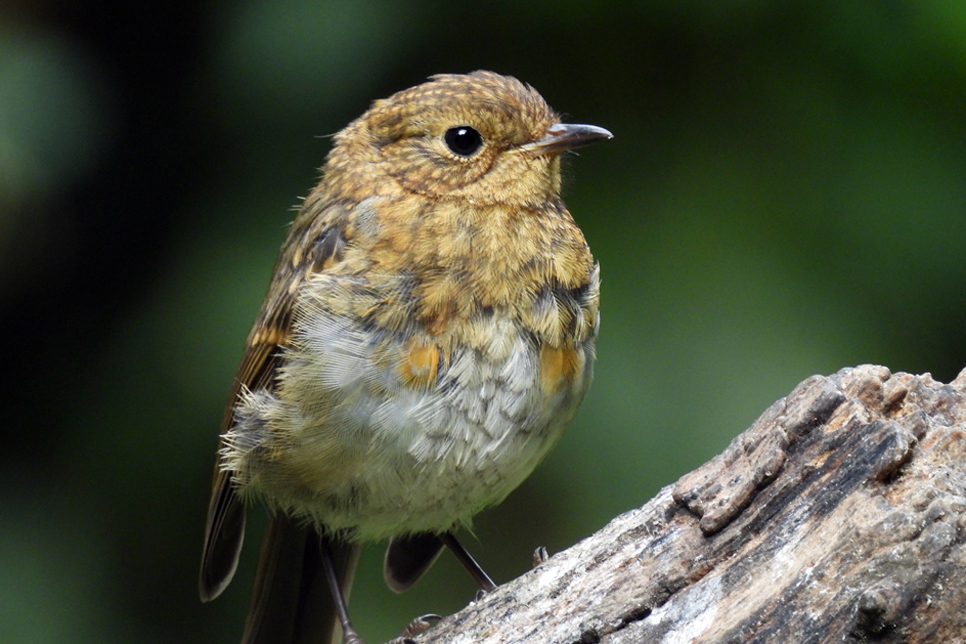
(785, 196)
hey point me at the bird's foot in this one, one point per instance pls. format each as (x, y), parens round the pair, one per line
(415, 627)
(351, 637)
(539, 556)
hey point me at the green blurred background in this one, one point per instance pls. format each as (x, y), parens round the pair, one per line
(785, 195)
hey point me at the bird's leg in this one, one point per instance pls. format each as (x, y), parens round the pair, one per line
(348, 633)
(483, 579)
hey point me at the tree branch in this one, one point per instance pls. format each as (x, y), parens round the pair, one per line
(839, 516)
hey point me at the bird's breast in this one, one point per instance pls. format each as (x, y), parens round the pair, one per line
(388, 428)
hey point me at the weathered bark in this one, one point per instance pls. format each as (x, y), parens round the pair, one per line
(839, 516)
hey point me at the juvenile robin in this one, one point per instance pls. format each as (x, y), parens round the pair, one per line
(428, 334)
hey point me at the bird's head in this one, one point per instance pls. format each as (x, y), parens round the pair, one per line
(480, 137)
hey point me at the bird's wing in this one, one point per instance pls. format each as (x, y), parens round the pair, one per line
(315, 241)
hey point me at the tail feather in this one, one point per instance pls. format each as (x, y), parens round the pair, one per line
(291, 602)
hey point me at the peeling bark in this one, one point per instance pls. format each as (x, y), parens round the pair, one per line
(839, 516)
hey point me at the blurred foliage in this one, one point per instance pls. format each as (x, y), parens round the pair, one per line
(785, 196)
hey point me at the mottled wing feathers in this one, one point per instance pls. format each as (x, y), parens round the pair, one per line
(225, 528)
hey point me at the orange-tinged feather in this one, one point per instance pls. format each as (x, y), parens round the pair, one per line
(559, 367)
(419, 367)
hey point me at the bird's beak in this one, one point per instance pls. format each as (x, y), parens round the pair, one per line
(566, 136)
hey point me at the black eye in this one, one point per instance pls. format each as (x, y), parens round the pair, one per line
(463, 140)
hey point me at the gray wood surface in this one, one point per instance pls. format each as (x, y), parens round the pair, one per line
(839, 516)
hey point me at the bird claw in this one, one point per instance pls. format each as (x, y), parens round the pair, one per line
(540, 555)
(414, 628)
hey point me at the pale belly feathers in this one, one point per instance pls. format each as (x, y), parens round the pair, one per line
(349, 443)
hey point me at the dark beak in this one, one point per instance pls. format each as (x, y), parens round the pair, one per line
(566, 136)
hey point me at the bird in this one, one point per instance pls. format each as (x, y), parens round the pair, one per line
(429, 331)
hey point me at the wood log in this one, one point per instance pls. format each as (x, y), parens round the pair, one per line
(839, 516)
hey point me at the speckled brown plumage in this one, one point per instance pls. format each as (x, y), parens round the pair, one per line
(428, 332)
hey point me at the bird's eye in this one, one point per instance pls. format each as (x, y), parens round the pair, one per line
(463, 140)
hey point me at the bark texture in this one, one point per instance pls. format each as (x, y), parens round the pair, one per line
(839, 516)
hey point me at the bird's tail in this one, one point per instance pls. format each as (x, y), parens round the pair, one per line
(292, 603)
